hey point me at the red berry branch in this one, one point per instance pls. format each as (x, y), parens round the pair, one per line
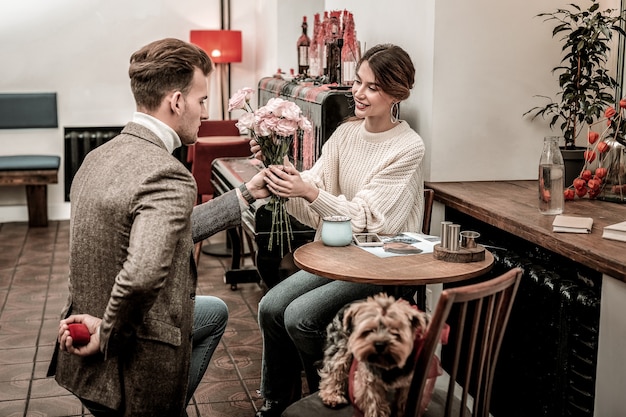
(591, 180)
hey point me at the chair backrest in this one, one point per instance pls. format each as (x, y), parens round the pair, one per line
(204, 152)
(218, 128)
(213, 128)
(429, 198)
(204, 155)
(483, 313)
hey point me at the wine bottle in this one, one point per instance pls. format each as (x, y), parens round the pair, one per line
(325, 40)
(303, 49)
(333, 53)
(350, 53)
(317, 45)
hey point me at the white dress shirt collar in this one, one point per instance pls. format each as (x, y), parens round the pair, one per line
(170, 138)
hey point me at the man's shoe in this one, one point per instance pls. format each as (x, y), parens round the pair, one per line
(271, 409)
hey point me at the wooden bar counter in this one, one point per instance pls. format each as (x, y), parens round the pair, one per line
(513, 207)
(571, 334)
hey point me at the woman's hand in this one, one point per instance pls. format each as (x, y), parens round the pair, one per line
(65, 340)
(285, 181)
(255, 149)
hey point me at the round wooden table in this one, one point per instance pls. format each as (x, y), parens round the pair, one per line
(351, 263)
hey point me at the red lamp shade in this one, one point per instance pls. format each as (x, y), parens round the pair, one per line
(223, 46)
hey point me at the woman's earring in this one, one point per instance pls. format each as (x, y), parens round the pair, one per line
(395, 112)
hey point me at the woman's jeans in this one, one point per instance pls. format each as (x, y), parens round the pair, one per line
(209, 322)
(293, 317)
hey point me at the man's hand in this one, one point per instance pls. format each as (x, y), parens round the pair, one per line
(257, 186)
(65, 339)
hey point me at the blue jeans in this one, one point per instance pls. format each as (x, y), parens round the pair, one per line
(293, 317)
(210, 316)
(209, 322)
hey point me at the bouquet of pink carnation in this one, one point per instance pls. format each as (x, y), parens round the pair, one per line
(273, 126)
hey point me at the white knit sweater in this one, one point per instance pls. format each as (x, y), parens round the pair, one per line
(374, 178)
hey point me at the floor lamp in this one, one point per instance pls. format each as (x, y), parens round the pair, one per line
(224, 48)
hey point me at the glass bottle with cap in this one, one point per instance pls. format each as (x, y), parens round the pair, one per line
(551, 177)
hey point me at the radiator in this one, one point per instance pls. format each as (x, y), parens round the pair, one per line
(79, 141)
(547, 364)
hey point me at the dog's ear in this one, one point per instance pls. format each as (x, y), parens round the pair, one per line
(348, 316)
(414, 315)
(418, 318)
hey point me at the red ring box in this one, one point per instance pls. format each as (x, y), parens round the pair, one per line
(79, 333)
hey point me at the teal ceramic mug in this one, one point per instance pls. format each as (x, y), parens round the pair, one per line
(336, 231)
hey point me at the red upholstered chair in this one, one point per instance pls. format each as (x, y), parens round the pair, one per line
(216, 139)
(214, 128)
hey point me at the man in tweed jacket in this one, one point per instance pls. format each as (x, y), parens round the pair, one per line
(133, 226)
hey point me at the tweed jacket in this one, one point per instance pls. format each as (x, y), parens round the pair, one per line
(131, 242)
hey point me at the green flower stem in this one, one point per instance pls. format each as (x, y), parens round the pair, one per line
(274, 149)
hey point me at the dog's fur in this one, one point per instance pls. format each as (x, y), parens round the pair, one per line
(379, 333)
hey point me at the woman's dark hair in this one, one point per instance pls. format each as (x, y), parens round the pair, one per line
(392, 68)
(163, 66)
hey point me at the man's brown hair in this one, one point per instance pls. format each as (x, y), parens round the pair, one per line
(163, 66)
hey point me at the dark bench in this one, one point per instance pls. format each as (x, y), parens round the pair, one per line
(35, 172)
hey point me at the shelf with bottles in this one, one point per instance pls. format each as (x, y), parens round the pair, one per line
(333, 49)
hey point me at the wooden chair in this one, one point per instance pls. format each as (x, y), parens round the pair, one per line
(429, 198)
(419, 292)
(474, 345)
(484, 310)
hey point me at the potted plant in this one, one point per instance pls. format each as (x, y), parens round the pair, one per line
(586, 86)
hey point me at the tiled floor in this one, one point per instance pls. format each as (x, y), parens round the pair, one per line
(33, 289)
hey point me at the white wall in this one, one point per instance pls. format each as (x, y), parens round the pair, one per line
(490, 59)
(478, 64)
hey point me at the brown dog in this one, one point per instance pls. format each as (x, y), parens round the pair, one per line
(378, 335)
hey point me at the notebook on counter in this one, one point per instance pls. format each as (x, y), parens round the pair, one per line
(572, 224)
(615, 231)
